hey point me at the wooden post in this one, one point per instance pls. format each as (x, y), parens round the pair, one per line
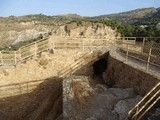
(35, 50)
(20, 57)
(15, 57)
(83, 43)
(149, 57)
(51, 45)
(142, 47)
(1, 58)
(127, 52)
(143, 41)
(122, 40)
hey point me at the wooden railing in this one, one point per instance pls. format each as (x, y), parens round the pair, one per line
(129, 46)
(27, 51)
(88, 58)
(142, 107)
(18, 88)
(150, 55)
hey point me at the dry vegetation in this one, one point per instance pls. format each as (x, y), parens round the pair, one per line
(43, 62)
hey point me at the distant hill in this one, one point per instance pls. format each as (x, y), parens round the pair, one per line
(71, 16)
(152, 18)
(137, 17)
(41, 19)
(140, 16)
(139, 22)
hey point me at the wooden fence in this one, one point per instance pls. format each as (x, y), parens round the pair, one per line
(145, 51)
(139, 48)
(18, 88)
(27, 51)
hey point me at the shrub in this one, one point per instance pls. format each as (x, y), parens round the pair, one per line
(43, 62)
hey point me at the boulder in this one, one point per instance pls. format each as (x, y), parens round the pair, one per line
(102, 87)
(123, 93)
(91, 118)
(123, 106)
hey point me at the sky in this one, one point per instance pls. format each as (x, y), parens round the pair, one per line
(81, 7)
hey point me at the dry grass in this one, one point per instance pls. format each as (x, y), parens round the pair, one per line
(81, 95)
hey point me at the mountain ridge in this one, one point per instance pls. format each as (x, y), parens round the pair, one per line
(131, 17)
(137, 16)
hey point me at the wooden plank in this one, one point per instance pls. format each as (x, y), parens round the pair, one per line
(148, 61)
(1, 58)
(127, 53)
(35, 52)
(15, 57)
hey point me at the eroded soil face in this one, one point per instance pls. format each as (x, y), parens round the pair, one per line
(44, 103)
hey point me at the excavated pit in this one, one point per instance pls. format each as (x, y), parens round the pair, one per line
(112, 89)
(46, 101)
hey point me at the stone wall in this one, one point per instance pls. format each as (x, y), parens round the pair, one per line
(123, 75)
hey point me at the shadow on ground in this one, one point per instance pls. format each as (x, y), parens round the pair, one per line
(44, 103)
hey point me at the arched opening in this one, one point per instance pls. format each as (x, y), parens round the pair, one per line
(100, 66)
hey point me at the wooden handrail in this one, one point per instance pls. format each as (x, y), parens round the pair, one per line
(155, 95)
(83, 41)
(149, 107)
(30, 44)
(144, 98)
(146, 101)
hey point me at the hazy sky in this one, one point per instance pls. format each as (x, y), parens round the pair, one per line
(81, 7)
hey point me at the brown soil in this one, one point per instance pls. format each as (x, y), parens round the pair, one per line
(44, 103)
(81, 96)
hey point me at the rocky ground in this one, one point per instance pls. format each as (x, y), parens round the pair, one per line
(87, 99)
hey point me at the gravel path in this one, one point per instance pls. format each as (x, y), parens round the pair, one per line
(153, 70)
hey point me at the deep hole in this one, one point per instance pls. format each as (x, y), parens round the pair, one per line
(100, 66)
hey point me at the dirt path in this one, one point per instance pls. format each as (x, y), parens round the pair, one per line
(153, 70)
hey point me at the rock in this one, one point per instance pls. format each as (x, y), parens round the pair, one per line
(45, 55)
(95, 31)
(123, 93)
(91, 118)
(123, 106)
(102, 87)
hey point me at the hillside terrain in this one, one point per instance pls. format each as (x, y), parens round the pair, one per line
(143, 22)
(140, 16)
(31, 27)
(140, 23)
